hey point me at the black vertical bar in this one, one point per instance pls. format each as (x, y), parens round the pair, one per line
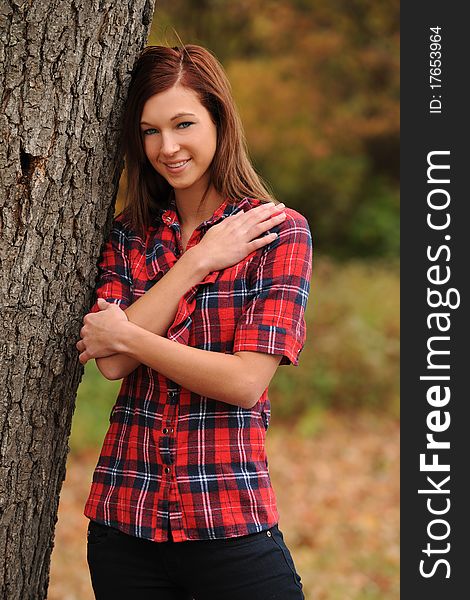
(424, 132)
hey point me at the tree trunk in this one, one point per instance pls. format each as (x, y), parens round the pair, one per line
(66, 68)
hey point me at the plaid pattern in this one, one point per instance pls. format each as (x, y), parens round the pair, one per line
(171, 453)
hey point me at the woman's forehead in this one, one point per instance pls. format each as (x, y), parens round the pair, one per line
(171, 103)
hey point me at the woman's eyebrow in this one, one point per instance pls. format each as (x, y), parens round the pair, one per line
(182, 114)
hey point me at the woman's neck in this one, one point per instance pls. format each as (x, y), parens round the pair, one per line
(190, 210)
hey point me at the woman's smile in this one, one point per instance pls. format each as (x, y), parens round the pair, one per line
(180, 138)
(177, 167)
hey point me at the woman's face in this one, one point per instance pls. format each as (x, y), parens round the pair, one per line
(179, 138)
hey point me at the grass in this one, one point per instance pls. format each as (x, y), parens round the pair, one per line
(95, 398)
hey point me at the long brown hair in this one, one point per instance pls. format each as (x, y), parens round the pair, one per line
(158, 69)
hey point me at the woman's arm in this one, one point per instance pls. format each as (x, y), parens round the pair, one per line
(238, 379)
(156, 310)
(225, 244)
(272, 327)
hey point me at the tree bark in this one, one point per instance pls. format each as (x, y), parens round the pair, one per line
(66, 68)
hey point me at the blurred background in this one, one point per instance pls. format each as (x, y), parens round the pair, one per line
(317, 86)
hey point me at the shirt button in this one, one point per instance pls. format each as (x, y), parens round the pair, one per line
(165, 430)
(172, 393)
(171, 430)
(167, 470)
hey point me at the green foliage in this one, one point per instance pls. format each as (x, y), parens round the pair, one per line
(376, 222)
(95, 399)
(317, 85)
(350, 360)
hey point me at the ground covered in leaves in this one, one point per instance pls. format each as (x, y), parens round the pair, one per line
(338, 498)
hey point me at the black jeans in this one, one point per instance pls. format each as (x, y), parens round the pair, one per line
(252, 567)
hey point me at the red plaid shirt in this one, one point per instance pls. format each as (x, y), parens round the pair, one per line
(170, 453)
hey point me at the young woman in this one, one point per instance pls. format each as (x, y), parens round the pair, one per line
(202, 291)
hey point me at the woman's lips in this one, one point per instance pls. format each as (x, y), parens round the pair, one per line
(176, 167)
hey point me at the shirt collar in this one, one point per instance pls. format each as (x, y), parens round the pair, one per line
(159, 259)
(227, 208)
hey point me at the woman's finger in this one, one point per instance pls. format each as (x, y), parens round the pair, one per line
(259, 228)
(255, 229)
(270, 207)
(266, 207)
(259, 212)
(272, 210)
(245, 221)
(102, 304)
(233, 217)
(262, 241)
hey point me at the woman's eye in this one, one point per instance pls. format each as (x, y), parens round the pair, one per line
(149, 131)
(184, 124)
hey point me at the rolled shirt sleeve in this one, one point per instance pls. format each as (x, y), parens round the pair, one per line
(114, 282)
(273, 321)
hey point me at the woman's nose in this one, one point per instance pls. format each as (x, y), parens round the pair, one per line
(169, 145)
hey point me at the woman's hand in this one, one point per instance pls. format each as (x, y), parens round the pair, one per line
(238, 235)
(99, 334)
